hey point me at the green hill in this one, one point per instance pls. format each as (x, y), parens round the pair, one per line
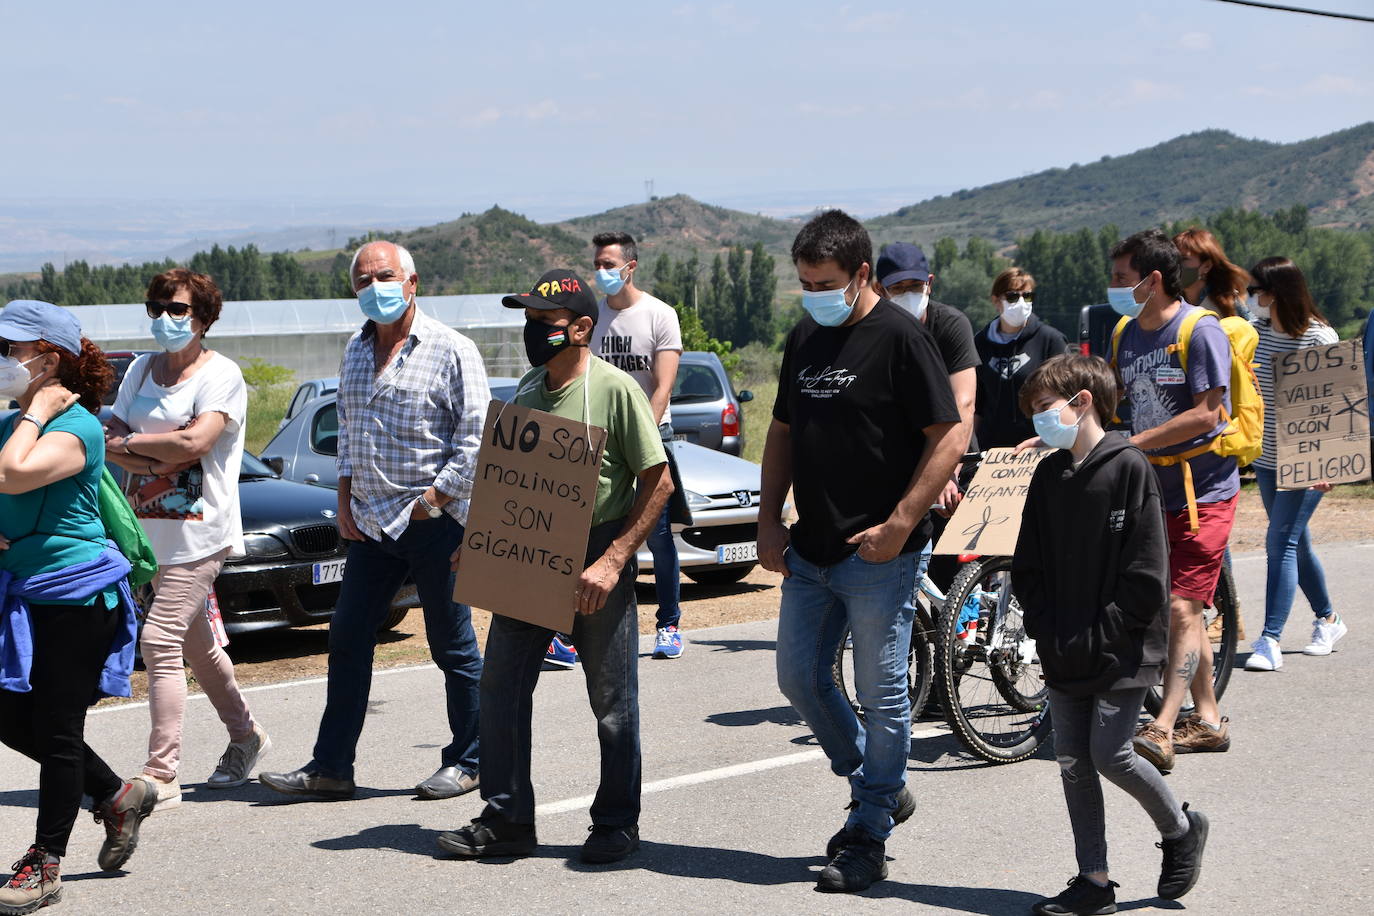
(1190, 176)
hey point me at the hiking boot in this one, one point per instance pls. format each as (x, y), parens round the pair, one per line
(1194, 736)
(1183, 857)
(122, 813)
(906, 806)
(1155, 745)
(489, 838)
(35, 884)
(236, 763)
(307, 782)
(606, 844)
(859, 863)
(1265, 655)
(1081, 898)
(1325, 632)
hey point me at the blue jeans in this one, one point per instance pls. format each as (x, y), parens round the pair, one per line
(375, 571)
(667, 583)
(608, 648)
(1292, 562)
(875, 600)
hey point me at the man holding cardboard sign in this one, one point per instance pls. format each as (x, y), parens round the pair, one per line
(560, 316)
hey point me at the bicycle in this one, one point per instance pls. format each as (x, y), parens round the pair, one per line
(1221, 615)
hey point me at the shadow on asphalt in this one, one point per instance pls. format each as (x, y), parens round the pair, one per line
(775, 715)
(295, 642)
(738, 645)
(19, 798)
(270, 798)
(409, 838)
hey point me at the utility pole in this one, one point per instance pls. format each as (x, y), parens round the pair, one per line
(648, 189)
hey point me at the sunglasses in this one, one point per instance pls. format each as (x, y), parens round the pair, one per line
(1010, 298)
(1255, 290)
(175, 309)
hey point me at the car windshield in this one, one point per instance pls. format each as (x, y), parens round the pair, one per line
(503, 391)
(696, 385)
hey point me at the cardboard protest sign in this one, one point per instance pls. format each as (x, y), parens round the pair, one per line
(1321, 415)
(988, 521)
(531, 511)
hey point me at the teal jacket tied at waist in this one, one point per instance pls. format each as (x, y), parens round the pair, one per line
(71, 583)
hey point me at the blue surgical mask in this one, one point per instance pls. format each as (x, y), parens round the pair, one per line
(828, 307)
(171, 334)
(1049, 426)
(1123, 301)
(610, 281)
(383, 301)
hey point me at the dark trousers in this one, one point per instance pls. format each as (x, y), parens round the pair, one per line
(48, 724)
(374, 573)
(608, 647)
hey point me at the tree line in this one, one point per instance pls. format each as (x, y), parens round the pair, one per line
(733, 300)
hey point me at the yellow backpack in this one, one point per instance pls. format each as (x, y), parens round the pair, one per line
(1243, 436)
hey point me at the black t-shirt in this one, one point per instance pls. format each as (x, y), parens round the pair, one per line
(953, 334)
(857, 400)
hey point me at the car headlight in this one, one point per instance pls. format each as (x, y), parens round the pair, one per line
(696, 500)
(260, 547)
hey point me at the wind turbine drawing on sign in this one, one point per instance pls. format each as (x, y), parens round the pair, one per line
(1354, 408)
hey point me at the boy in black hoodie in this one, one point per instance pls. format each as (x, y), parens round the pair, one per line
(1091, 573)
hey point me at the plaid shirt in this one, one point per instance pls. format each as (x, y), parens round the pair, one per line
(417, 423)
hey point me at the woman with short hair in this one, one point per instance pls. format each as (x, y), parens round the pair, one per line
(178, 430)
(67, 619)
(1287, 319)
(1010, 348)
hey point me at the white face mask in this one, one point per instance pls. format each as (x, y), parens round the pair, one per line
(915, 303)
(1252, 303)
(1016, 313)
(14, 378)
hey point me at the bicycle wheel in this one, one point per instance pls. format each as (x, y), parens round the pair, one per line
(919, 673)
(994, 697)
(1222, 619)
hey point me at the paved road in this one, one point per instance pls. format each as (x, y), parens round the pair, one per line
(739, 802)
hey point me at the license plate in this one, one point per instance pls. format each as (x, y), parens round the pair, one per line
(737, 553)
(329, 571)
(679, 437)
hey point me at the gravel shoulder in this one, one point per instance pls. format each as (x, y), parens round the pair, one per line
(264, 658)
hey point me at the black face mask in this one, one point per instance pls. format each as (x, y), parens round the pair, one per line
(545, 341)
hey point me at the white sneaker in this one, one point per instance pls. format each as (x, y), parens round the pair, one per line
(1324, 635)
(1265, 655)
(168, 793)
(239, 758)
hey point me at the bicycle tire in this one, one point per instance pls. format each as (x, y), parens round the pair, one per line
(1226, 606)
(983, 717)
(920, 669)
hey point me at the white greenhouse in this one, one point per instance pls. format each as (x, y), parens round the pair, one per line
(307, 336)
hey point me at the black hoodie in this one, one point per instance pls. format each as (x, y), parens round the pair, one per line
(1091, 570)
(1002, 369)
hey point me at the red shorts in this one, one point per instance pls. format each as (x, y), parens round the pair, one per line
(1195, 557)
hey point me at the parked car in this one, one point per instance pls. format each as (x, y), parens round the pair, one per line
(293, 562)
(1095, 325)
(315, 388)
(722, 491)
(120, 361)
(705, 408)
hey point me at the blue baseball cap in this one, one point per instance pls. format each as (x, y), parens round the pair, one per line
(902, 261)
(25, 320)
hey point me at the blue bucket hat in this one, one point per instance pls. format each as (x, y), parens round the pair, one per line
(25, 320)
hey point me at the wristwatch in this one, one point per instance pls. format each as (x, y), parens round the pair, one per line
(431, 511)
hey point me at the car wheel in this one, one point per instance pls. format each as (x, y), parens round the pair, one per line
(393, 620)
(727, 576)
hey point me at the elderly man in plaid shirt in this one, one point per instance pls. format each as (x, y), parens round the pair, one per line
(412, 398)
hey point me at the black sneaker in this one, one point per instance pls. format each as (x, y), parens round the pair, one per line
(861, 862)
(609, 844)
(906, 806)
(490, 838)
(1183, 857)
(1081, 898)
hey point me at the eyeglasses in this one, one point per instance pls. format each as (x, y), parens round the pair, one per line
(175, 309)
(1012, 297)
(1255, 290)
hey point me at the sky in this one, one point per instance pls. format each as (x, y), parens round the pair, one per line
(561, 109)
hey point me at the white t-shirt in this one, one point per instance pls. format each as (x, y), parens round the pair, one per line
(194, 513)
(630, 338)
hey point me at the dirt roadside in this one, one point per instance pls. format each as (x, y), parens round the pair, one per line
(263, 658)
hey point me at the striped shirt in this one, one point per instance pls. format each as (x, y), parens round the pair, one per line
(1271, 342)
(417, 423)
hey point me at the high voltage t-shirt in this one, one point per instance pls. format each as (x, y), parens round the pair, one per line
(856, 400)
(630, 338)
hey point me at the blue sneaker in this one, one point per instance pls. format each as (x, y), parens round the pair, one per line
(668, 643)
(561, 654)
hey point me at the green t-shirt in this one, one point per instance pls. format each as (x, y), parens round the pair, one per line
(618, 405)
(58, 525)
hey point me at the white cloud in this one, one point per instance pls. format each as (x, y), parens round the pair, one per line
(1143, 92)
(1195, 41)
